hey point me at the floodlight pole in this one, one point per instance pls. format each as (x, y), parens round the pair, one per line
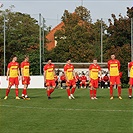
(101, 41)
(81, 2)
(131, 39)
(40, 38)
(4, 45)
(43, 39)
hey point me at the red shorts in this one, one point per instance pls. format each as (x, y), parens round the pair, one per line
(94, 83)
(26, 80)
(114, 79)
(13, 81)
(71, 83)
(131, 81)
(50, 83)
(83, 83)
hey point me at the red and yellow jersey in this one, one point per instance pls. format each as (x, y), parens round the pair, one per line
(13, 69)
(25, 66)
(130, 66)
(114, 67)
(68, 69)
(94, 69)
(49, 71)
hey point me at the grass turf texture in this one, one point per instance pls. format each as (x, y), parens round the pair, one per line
(61, 115)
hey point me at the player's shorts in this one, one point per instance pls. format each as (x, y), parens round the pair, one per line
(131, 81)
(71, 83)
(50, 83)
(13, 81)
(94, 83)
(115, 79)
(26, 80)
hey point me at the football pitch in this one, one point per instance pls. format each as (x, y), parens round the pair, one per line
(61, 115)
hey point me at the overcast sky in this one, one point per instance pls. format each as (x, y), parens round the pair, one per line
(52, 10)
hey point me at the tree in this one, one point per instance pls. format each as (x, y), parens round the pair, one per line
(118, 41)
(77, 37)
(83, 13)
(119, 31)
(21, 38)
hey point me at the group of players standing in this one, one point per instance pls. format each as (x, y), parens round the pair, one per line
(13, 73)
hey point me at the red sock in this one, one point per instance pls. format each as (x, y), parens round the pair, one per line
(7, 91)
(94, 92)
(91, 93)
(119, 90)
(73, 90)
(24, 92)
(51, 90)
(130, 91)
(16, 90)
(111, 90)
(68, 92)
(48, 93)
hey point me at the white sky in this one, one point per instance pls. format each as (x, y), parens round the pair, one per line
(52, 10)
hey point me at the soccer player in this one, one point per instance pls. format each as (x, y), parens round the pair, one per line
(94, 70)
(13, 76)
(105, 81)
(114, 67)
(63, 80)
(130, 66)
(70, 78)
(77, 80)
(49, 73)
(83, 81)
(25, 76)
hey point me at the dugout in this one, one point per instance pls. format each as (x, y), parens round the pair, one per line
(79, 67)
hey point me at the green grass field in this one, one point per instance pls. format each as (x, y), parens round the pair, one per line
(61, 115)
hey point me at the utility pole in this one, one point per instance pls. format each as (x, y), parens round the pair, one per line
(43, 39)
(4, 46)
(131, 39)
(101, 40)
(40, 39)
(3, 13)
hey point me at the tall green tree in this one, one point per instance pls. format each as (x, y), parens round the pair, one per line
(119, 40)
(76, 39)
(22, 37)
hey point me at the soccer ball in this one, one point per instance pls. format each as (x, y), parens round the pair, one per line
(1, 5)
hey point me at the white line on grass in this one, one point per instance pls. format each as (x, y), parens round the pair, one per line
(66, 109)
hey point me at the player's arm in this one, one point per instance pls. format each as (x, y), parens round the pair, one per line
(44, 76)
(100, 73)
(108, 65)
(74, 75)
(7, 73)
(18, 73)
(22, 72)
(89, 72)
(129, 66)
(54, 72)
(65, 73)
